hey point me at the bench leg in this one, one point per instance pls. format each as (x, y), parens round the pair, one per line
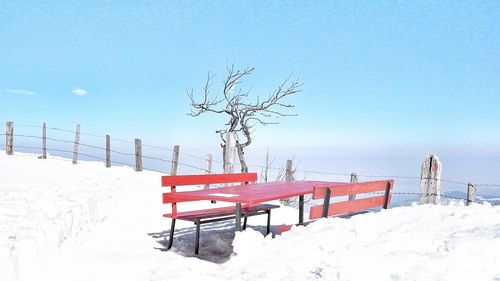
(245, 223)
(197, 241)
(171, 240)
(301, 209)
(268, 230)
(238, 217)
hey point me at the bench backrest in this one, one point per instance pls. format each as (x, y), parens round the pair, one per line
(207, 179)
(351, 206)
(182, 180)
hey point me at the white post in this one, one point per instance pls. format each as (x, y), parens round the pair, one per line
(138, 155)
(289, 170)
(9, 138)
(430, 180)
(77, 143)
(44, 141)
(229, 153)
(289, 177)
(471, 193)
(175, 161)
(354, 179)
(108, 151)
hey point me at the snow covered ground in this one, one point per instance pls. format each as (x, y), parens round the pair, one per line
(60, 221)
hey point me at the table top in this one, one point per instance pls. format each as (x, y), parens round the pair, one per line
(253, 193)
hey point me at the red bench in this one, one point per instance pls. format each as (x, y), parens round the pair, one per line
(347, 208)
(214, 214)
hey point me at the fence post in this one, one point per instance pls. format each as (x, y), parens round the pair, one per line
(208, 168)
(77, 143)
(9, 138)
(44, 141)
(138, 155)
(430, 180)
(108, 151)
(289, 177)
(175, 160)
(354, 179)
(471, 193)
(288, 171)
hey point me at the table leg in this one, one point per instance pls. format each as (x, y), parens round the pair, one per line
(238, 216)
(301, 209)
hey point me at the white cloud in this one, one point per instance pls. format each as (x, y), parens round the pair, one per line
(79, 92)
(20, 92)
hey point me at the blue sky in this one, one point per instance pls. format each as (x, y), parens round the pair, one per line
(393, 74)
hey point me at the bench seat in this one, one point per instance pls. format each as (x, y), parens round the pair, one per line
(229, 211)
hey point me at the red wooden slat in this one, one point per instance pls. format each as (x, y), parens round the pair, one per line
(172, 198)
(253, 193)
(219, 212)
(196, 212)
(207, 179)
(347, 206)
(282, 228)
(353, 188)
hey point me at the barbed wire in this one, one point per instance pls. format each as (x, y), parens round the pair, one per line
(122, 140)
(158, 147)
(488, 185)
(420, 194)
(122, 163)
(191, 166)
(92, 135)
(74, 132)
(26, 147)
(28, 126)
(39, 137)
(321, 173)
(264, 167)
(156, 158)
(434, 194)
(202, 169)
(195, 156)
(217, 161)
(122, 153)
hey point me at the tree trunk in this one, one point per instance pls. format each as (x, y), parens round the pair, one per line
(223, 156)
(229, 152)
(243, 164)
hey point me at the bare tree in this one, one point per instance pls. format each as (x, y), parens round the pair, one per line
(242, 114)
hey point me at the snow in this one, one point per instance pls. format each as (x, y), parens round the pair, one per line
(60, 221)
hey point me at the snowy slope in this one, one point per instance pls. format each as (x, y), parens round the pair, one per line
(60, 221)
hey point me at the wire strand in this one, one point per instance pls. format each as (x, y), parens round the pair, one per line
(201, 158)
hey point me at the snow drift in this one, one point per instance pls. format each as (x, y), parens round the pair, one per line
(60, 221)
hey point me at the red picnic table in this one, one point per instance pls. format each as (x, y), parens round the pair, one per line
(254, 193)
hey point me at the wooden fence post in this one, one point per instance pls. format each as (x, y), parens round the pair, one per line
(208, 168)
(9, 138)
(108, 151)
(430, 180)
(354, 179)
(175, 161)
(138, 155)
(289, 177)
(77, 144)
(471, 193)
(44, 141)
(289, 171)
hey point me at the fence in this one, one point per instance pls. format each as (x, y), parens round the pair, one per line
(142, 158)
